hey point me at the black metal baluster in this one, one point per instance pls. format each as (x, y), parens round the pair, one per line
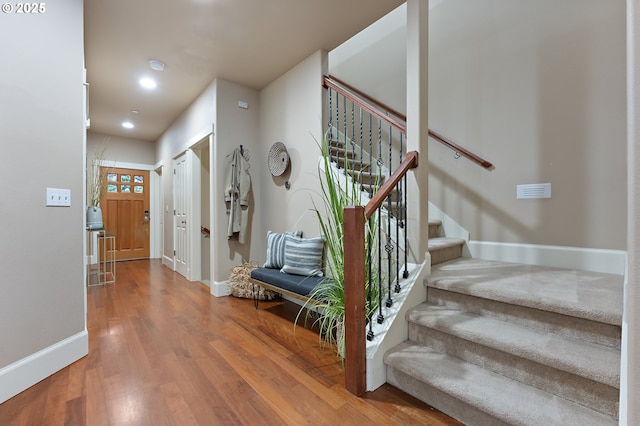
(369, 313)
(399, 190)
(344, 124)
(399, 208)
(380, 161)
(335, 143)
(360, 161)
(370, 155)
(389, 247)
(405, 274)
(380, 316)
(405, 225)
(330, 124)
(351, 144)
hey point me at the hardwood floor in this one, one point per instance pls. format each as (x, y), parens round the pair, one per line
(162, 351)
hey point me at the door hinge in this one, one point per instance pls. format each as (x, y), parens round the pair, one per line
(174, 171)
(174, 252)
(174, 212)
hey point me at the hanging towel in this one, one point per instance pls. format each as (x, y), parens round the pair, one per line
(236, 194)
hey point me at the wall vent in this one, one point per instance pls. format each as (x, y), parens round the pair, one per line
(534, 190)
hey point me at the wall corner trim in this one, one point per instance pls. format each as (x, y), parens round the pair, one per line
(28, 371)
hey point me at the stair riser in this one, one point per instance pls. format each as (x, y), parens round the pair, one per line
(446, 403)
(598, 396)
(442, 255)
(583, 329)
(341, 153)
(363, 177)
(434, 231)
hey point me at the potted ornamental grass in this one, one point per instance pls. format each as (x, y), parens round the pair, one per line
(96, 187)
(328, 297)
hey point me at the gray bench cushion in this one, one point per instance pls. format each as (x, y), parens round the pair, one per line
(294, 283)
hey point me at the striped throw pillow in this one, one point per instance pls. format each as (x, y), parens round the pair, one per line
(275, 248)
(303, 256)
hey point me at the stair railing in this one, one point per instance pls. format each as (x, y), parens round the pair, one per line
(368, 144)
(355, 299)
(367, 140)
(400, 119)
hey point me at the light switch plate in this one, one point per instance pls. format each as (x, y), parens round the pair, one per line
(58, 197)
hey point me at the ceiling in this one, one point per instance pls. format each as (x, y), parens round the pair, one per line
(249, 42)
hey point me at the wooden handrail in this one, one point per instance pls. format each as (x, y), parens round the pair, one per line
(460, 150)
(374, 101)
(371, 108)
(410, 162)
(345, 89)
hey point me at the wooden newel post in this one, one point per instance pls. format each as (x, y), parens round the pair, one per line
(354, 300)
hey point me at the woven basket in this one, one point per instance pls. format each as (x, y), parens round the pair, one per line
(241, 286)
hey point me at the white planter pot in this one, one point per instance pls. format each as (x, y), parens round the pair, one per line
(94, 217)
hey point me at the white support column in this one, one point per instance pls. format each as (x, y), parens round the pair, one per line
(417, 126)
(630, 366)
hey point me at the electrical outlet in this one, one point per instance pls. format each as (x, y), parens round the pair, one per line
(58, 197)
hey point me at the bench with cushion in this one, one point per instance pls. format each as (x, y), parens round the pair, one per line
(293, 266)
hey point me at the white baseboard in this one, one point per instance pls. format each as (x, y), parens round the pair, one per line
(220, 289)
(584, 259)
(168, 262)
(28, 371)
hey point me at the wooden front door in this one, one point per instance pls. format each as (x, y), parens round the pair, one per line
(125, 212)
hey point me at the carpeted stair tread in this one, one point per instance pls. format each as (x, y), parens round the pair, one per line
(508, 400)
(588, 295)
(542, 320)
(589, 360)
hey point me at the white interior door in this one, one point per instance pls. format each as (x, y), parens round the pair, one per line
(180, 240)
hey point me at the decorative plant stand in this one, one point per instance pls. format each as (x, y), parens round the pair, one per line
(104, 270)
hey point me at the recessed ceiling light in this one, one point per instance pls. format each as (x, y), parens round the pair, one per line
(148, 83)
(156, 65)
(127, 125)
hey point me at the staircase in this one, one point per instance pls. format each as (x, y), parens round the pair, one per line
(502, 343)
(494, 343)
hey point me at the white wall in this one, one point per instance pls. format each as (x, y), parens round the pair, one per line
(122, 149)
(199, 116)
(42, 302)
(217, 106)
(234, 126)
(536, 87)
(291, 112)
(288, 110)
(374, 60)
